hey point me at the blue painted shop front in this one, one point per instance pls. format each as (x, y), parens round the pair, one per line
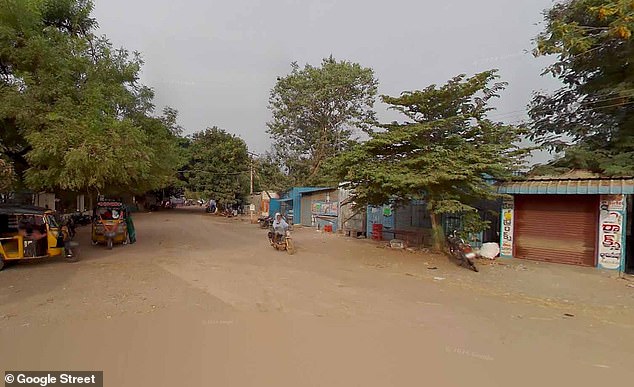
(383, 215)
(290, 205)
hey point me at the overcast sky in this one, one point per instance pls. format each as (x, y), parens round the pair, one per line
(216, 61)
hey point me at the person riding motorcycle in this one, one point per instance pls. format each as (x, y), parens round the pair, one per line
(279, 226)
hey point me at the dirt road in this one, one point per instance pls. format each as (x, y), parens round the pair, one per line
(203, 301)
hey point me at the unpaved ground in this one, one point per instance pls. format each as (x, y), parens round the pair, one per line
(205, 301)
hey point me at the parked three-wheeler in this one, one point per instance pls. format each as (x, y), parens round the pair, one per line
(109, 226)
(29, 232)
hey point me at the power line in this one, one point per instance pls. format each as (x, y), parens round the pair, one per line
(521, 121)
(589, 103)
(598, 108)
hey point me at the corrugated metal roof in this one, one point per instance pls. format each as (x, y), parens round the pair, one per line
(598, 186)
(9, 209)
(313, 190)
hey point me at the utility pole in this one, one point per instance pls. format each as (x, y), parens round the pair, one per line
(253, 155)
(251, 205)
(251, 176)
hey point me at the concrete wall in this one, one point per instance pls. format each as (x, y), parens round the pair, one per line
(45, 200)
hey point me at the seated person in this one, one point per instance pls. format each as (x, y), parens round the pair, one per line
(279, 226)
(105, 214)
(25, 227)
(39, 232)
(40, 238)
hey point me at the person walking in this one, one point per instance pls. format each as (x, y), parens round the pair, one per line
(212, 206)
(130, 225)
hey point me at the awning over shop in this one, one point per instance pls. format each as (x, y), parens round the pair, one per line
(314, 190)
(550, 186)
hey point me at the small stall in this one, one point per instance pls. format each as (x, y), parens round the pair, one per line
(577, 221)
(324, 215)
(320, 208)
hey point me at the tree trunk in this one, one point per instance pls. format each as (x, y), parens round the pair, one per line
(437, 233)
(319, 155)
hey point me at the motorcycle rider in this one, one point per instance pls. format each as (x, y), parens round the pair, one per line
(279, 226)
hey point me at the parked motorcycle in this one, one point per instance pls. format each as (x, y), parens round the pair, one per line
(265, 221)
(80, 219)
(462, 251)
(282, 242)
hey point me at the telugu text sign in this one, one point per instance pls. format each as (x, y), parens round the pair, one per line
(611, 226)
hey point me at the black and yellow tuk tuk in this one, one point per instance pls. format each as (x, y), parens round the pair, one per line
(109, 226)
(29, 232)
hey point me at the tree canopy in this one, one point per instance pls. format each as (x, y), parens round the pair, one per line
(6, 176)
(269, 175)
(445, 152)
(218, 167)
(591, 118)
(73, 114)
(316, 111)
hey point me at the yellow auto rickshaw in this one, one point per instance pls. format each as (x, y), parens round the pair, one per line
(109, 224)
(28, 232)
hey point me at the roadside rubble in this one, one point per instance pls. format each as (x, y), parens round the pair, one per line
(397, 244)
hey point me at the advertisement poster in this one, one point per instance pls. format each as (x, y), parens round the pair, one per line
(324, 208)
(506, 234)
(611, 232)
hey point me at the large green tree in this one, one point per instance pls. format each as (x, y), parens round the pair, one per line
(316, 111)
(591, 118)
(219, 166)
(269, 174)
(445, 152)
(73, 115)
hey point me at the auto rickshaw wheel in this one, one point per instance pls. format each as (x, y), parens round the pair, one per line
(109, 244)
(94, 242)
(2, 264)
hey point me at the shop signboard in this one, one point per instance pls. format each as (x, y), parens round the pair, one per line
(507, 226)
(611, 246)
